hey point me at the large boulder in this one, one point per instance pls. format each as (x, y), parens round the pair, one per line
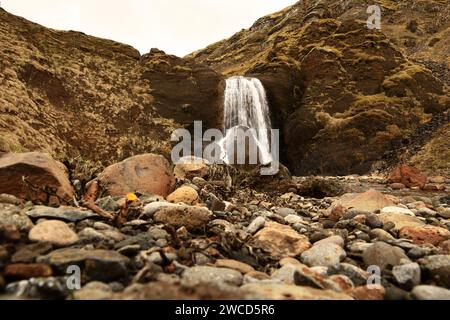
(408, 176)
(35, 176)
(147, 173)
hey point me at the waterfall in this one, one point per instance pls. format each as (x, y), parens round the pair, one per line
(246, 107)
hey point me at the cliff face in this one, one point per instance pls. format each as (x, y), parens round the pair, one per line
(342, 94)
(73, 95)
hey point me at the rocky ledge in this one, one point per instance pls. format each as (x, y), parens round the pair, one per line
(145, 229)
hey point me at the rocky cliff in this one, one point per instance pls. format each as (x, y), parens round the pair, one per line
(342, 94)
(77, 96)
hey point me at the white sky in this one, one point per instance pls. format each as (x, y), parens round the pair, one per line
(175, 26)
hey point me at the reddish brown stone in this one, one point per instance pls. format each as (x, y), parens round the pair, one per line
(147, 173)
(9, 233)
(375, 292)
(397, 186)
(434, 187)
(408, 176)
(46, 180)
(26, 271)
(425, 234)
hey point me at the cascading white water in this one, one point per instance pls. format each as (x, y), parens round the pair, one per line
(246, 107)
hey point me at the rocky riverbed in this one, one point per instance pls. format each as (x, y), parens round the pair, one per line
(145, 229)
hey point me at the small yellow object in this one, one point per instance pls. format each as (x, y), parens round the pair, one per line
(131, 197)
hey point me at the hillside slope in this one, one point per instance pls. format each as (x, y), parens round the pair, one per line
(342, 94)
(74, 95)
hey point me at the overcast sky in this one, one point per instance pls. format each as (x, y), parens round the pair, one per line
(175, 26)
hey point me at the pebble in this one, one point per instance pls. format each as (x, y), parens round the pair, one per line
(262, 291)
(235, 265)
(407, 274)
(203, 274)
(11, 215)
(185, 194)
(103, 265)
(425, 292)
(193, 218)
(383, 255)
(337, 240)
(397, 210)
(323, 254)
(418, 252)
(55, 232)
(358, 276)
(381, 235)
(280, 241)
(94, 291)
(374, 222)
(438, 268)
(284, 212)
(256, 225)
(293, 219)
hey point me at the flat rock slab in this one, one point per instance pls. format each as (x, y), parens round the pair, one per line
(70, 214)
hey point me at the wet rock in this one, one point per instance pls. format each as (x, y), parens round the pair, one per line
(185, 194)
(41, 172)
(408, 176)
(425, 292)
(437, 267)
(191, 167)
(425, 234)
(12, 215)
(27, 271)
(290, 292)
(398, 210)
(64, 213)
(256, 225)
(102, 265)
(193, 218)
(383, 255)
(147, 173)
(201, 274)
(407, 275)
(324, 254)
(53, 231)
(234, 265)
(280, 240)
